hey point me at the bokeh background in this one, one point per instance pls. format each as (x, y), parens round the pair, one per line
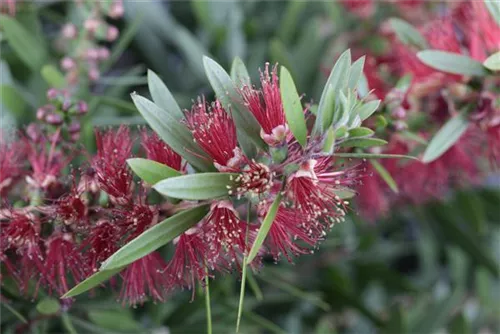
(427, 268)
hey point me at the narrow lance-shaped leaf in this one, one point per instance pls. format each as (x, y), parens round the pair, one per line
(452, 63)
(407, 34)
(155, 237)
(330, 106)
(367, 109)
(373, 156)
(384, 174)
(239, 73)
(25, 45)
(493, 62)
(356, 72)
(337, 80)
(231, 100)
(162, 96)
(151, 171)
(91, 282)
(264, 228)
(292, 106)
(175, 134)
(445, 138)
(197, 186)
(360, 132)
(363, 142)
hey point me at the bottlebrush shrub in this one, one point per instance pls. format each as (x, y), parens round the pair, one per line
(252, 173)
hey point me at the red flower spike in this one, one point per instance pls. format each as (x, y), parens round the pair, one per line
(63, 260)
(362, 8)
(137, 219)
(71, 208)
(21, 234)
(190, 260)
(11, 166)
(101, 243)
(286, 230)
(157, 150)
(144, 278)
(214, 130)
(266, 105)
(111, 171)
(255, 179)
(225, 233)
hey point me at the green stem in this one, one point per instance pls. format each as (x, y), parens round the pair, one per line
(243, 273)
(207, 304)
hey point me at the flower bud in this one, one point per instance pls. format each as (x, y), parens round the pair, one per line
(116, 10)
(41, 113)
(52, 94)
(54, 119)
(82, 107)
(103, 53)
(92, 54)
(66, 105)
(112, 33)
(399, 113)
(75, 136)
(74, 127)
(91, 25)
(68, 63)
(69, 31)
(94, 74)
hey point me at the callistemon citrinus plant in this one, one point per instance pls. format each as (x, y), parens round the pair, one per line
(260, 174)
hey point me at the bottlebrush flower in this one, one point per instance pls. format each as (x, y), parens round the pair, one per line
(63, 260)
(190, 260)
(287, 229)
(312, 190)
(487, 119)
(101, 243)
(11, 165)
(136, 219)
(144, 278)
(157, 150)
(20, 234)
(226, 233)
(110, 164)
(372, 199)
(214, 131)
(362, 8)
(256, 178)
(266, 105)
(71, 208)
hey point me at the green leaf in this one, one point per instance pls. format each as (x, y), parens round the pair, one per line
(384, 174)
(460, 325)
(174, 133)
(197, 186)
(114, 320)
(290, 19)
(356, 72)
(13, 101)
(360, 132)
(292, 106)
(396, 322)
(53, 76)
(494, 8)
(232, 101)
(493, 62)
(68, 325)
(452, 63)
(338, 80)
(373, 156)
(407, 34)
(264, 228)
(48, 306)
(363, 142)
(239, 73)
(151, 171)
(331, 109)
(366, 110)
(25, 45)
(162, 96)
(14, 312)
(404, 83)
(91, 282)
(155, 237)
(445, 138)
(329, 141)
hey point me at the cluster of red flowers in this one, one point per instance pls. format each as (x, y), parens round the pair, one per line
(432, 98)
(68, 230)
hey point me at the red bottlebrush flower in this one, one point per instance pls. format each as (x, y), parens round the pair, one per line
(487, 119)
(419, 182)
(11, 164)
(312, 190)
(225, 233)
(215, 132)
(372, 199)
(21, 235)
(71, 208)
(362, 8)
(101, 243)
(63, 260)
(481, 31)
(157, 150)
(190, 260)
(440, 35)
(46, 164)
(286, 230)
(267, 107)
(137, 219)
(111, 171)
(144, 278)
